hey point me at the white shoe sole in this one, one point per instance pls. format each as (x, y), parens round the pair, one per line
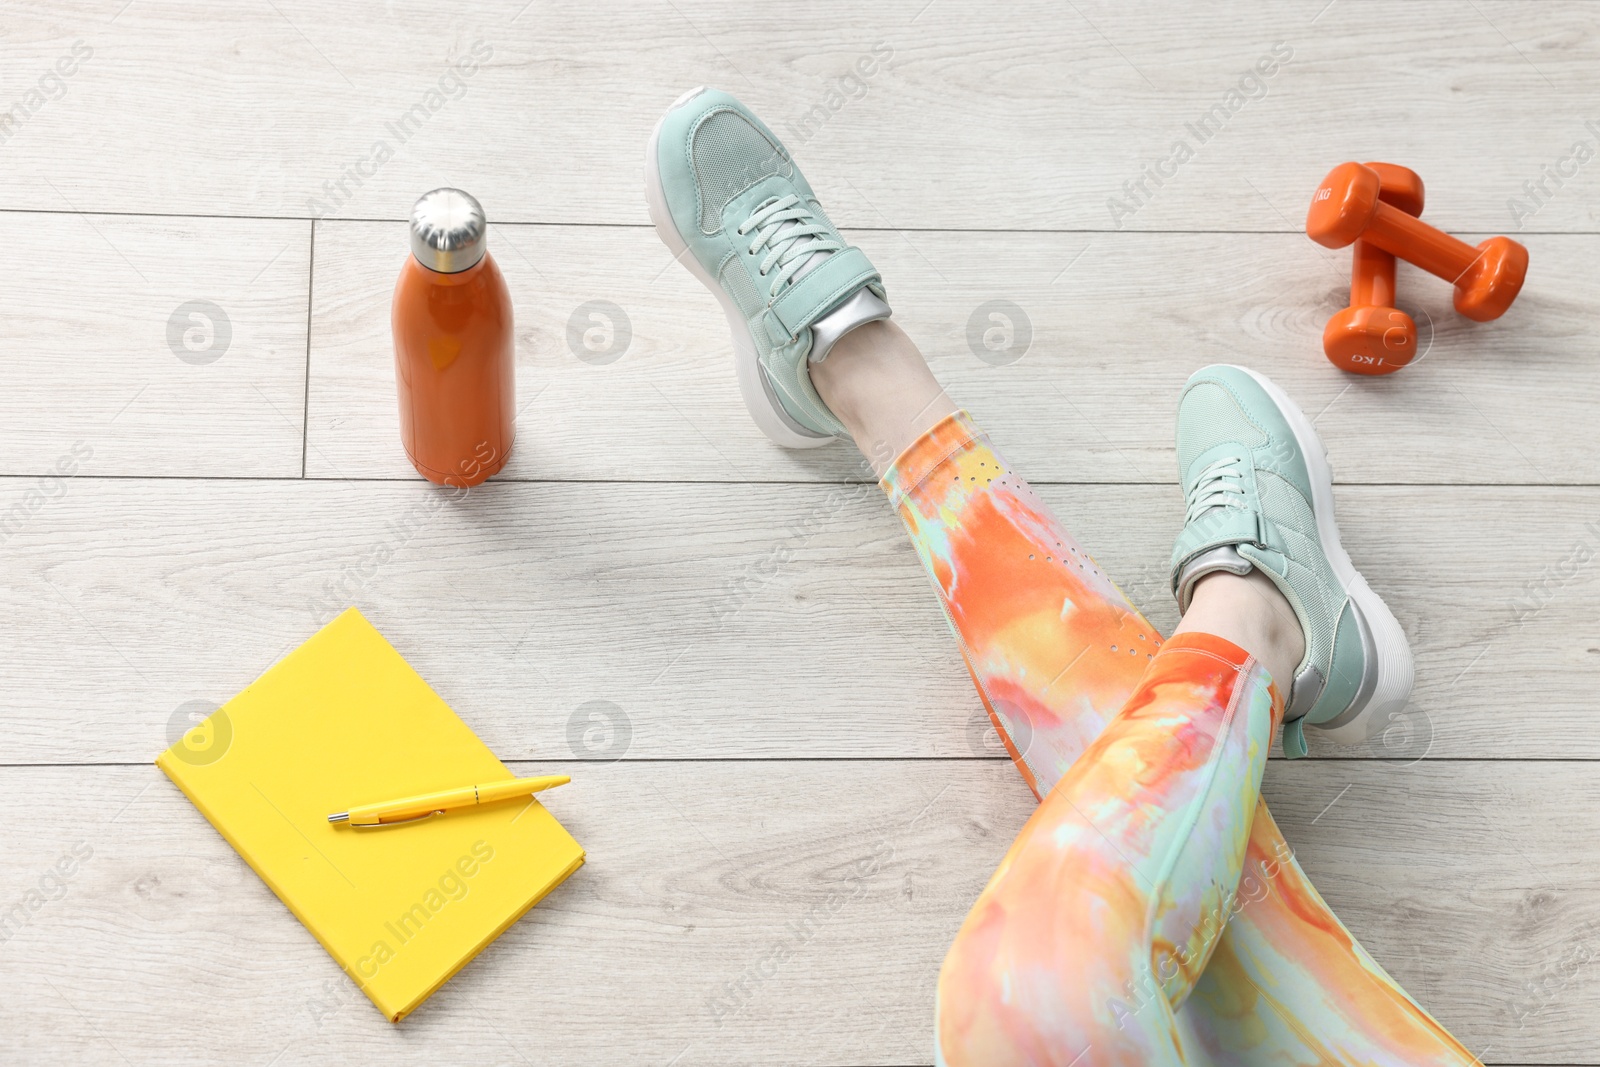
(1395, 665)
(758, 398)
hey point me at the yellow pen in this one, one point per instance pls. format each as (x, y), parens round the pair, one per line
(411, 809)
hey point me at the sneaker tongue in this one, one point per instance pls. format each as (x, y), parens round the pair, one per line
(1221, 558)
(857, 310)
(862, 307)
(812, 261)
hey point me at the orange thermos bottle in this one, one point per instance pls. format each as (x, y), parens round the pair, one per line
(454, 352)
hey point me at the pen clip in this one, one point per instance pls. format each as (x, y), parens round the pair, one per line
(395, 822)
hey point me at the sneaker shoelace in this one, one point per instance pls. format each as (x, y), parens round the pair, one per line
(791, 232)
(1219, 485)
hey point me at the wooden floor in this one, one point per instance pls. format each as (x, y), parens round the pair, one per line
(774, 723)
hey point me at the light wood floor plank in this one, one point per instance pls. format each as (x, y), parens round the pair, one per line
(1104, 330)
(153, 346)
(698, 870)
(1031, 116)
(719, 621)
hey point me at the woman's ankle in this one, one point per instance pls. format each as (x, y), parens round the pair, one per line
(1249, 611)
(877, 383)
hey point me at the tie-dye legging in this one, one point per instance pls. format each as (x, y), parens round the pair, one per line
(1150, 912)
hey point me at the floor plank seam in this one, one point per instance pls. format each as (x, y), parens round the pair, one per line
(305, 399)
(690, 482)
(1376, 760)
(1106, 230)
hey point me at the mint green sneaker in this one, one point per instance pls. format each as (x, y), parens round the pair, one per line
(1260, 495)
(728, 201)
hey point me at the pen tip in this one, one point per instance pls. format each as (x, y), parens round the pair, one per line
(343, 816)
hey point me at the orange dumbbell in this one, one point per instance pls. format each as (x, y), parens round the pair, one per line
(1372, 336)
(1347, 207)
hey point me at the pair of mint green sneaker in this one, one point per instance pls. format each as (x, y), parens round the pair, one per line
(729, 202)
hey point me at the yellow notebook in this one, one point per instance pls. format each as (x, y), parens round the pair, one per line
(344, 720)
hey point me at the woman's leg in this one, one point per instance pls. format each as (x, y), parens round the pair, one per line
(1110, 902)
(730, 204)
(1117, 891)
(1055, 651)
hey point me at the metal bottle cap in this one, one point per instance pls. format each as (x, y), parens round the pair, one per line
(448, 231)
